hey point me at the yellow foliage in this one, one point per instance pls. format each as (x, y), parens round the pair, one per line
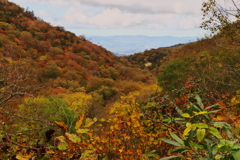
(79, 102)
(24, 155)
(236, 99)
(79, 121)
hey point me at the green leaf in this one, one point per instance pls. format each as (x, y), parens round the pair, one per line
(236, 154)
(210, 154)
(170, 157)
(200, 134)
(215, 111)
(171, 142)
(190, 110)
(62, 146)
(178, 150)
(218, 124)
(227, 125)
(197, 145)
(169, 120)
(73, 137)
(218, 156)
(150, 155)
(214, 132)
(189, 138)
(199, 101)
(236, 146)
(195, 119)
(197, 108)
(105, 158)
(213, 106)
(228, 142)
(178, 110)
(179, 140)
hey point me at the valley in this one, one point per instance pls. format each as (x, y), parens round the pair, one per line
(64, 97)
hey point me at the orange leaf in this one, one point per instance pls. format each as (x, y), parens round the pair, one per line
(220, 103)
(220, 118)
(62, 125)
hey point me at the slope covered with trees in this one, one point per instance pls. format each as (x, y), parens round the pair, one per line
(62, 97)
(152, 59)
(60, 61)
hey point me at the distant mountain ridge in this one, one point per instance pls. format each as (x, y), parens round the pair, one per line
(129, 44)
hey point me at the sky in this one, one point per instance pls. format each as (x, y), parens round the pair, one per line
(179, 18)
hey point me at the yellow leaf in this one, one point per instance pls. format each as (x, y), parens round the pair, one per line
(188, 124)
(219, 145)
(156, 142)
(186, 115)
(136, 124)
(116, 127)
(112, 128)
(80, 131)
(199, 113)
(50, 152)
(151, 139)
(89, 122)
(24, 155)
(60, 139)
(188, 129)
(102, 120)
(220, 118)
(79, 121)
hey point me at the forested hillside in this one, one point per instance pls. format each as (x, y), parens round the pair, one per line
(152, 59)
(61, 62)
(63, 97)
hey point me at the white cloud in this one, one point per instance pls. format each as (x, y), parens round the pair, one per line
(150, 6)
(148, 14)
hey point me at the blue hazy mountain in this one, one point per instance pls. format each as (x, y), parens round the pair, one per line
(125, 45)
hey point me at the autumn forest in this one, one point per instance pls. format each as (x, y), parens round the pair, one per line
(64, 98)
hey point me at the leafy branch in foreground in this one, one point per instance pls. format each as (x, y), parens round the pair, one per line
(204, 136)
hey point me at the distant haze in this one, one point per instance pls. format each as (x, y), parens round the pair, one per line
(121, 17)
(133, 44)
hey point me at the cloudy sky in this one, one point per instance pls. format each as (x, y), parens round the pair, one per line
(121, 17)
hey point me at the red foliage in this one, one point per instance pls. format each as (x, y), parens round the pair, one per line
(57, 90)
(42, 63)
(86, 76)
(12, 20)
(118, 86)
(17, 41)
(2, 31)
